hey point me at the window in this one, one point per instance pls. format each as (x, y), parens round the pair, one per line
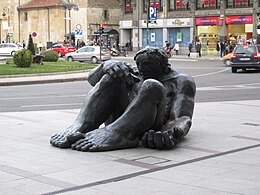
(208, 4)
(239, 3)
(128, 7)
(179, 4)
(157, 3)
(25, 16)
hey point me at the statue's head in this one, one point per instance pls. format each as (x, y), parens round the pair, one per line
(154, 54)
(151, 62)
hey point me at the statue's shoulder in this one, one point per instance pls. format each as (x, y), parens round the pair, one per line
(179, 78)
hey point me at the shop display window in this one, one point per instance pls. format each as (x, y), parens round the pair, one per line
(208, 36)
(208, 4)
(239, 3)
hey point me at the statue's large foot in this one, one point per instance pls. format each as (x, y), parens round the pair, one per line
(104, 139)
(65, 138)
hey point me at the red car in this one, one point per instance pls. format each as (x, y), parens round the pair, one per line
(62, 49)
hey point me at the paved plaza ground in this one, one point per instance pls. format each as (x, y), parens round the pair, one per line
(220, 155)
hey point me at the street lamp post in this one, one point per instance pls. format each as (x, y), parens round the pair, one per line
(69, 6)
(194, 26)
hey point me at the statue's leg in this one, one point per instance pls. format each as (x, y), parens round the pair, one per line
(106, 98)
(143, 113)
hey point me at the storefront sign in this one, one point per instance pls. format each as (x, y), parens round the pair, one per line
(177, 22)
(207, 21)
(239, 19)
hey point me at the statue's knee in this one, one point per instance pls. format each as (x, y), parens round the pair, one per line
(153, 86)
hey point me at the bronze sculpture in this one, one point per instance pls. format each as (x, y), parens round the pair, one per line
(150, 102)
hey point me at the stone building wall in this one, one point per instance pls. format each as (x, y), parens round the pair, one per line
(50, 25)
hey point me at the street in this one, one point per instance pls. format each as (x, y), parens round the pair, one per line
(214, 81)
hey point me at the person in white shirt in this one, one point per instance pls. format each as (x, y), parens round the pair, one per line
(176, 48)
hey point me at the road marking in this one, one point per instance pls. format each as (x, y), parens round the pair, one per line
(230, 87)
(51, 105)
(40, 97)
(211, 73)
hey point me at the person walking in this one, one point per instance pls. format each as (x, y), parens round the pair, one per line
(176, 48)
(190, 48)
(198, 47)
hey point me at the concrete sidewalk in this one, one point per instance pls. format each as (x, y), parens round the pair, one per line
(220, 155)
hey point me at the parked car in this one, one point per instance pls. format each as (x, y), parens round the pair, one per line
(89, 53)
(63, 49)
(9, 48)
(226, 59)
(244, 57)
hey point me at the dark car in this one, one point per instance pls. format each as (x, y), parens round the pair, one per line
(245, 57)
(63, 49)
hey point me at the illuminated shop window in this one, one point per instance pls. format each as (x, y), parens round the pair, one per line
(239, 3)
(179, 4)
(156, 3)
(128, 7)
(208, 4)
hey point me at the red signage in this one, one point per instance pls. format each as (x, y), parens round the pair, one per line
(207, 21)
(239, 19)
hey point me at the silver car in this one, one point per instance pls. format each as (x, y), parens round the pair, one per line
(89, 53)
(9, 48)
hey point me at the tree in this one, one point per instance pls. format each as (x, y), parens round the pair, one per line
(31, 45)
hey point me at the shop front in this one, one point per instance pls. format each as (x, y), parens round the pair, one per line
(208, 32)
(179, 30)
(239, 29)
(153, 37)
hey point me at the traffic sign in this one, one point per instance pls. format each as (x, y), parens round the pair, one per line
(78, 27)
(34, 34)
(153, 13)
(78, 33)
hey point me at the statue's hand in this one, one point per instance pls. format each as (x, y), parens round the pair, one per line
(159, 139)
(116, 69)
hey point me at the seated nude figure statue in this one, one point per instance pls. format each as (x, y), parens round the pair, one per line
(150, 103)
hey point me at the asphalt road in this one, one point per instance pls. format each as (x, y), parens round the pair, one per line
(214, 81)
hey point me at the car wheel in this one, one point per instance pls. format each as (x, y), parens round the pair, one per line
(59, 54)
(227, 62)
(94, 60)
(70, 59)
(12, 53)
(234, 70)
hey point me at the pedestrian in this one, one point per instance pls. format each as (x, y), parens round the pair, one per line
(198, 47)
(176, 48)
(190, 48)
(82, 44)
(218, 48)
(40, 46)
(23, 44)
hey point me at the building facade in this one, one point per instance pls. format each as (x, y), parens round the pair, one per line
(185, 20)
(56, 20)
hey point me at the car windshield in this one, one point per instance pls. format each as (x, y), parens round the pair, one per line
(104, 49)
(245, 50)
(67, 45)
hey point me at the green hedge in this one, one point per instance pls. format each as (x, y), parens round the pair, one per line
(23, 58)
(50, 56)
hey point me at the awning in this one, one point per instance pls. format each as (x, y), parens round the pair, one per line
(107, 31)
(72, 34)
